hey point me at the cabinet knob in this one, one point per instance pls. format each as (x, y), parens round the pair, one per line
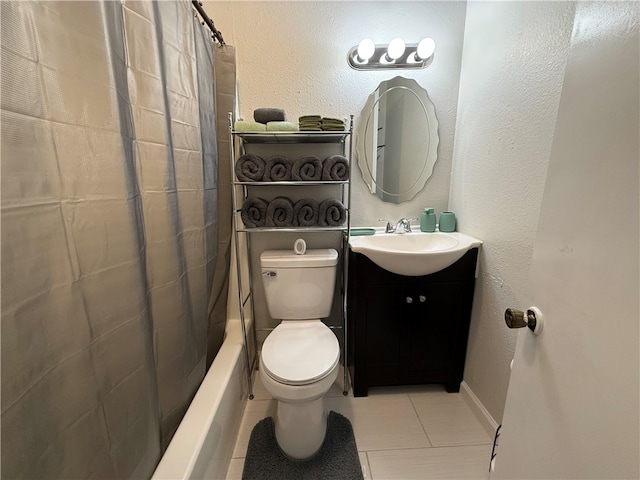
(422, 298)
(409, 300)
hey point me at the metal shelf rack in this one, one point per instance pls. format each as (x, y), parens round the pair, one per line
(240, 190)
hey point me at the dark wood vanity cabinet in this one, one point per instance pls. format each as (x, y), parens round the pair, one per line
(408, 330)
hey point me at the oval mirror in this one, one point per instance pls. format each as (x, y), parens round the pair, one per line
(397, 140)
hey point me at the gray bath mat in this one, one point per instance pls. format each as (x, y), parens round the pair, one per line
(337, 458)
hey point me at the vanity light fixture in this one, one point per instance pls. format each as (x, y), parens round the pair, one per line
(425, 49)
(395, 50)
(365, 50)
(369, 56)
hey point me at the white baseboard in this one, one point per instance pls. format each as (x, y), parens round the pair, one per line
(489, 424)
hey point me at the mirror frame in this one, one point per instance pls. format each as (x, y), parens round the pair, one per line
(364, 134)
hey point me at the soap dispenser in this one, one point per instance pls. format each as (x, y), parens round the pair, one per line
(428, 220)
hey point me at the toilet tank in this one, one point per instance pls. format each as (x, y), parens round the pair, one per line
(299, 287)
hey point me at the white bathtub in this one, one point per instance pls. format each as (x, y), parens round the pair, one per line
(204, 442)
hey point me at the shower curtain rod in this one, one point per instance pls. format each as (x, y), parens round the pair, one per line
(215, 32)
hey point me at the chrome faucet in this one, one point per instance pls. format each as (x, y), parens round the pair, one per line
(403, 226)
(388, 228)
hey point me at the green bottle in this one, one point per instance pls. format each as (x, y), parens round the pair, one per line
(428, 220)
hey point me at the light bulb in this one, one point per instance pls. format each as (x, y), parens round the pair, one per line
(366, 48)
(395, 49)
(425, 49)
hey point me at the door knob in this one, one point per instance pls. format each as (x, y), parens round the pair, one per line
(518, 319)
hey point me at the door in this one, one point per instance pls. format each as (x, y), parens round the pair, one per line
(573, 401)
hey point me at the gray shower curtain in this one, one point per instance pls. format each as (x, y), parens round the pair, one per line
(109, 232)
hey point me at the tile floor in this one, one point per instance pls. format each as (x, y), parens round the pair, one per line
(402, 433)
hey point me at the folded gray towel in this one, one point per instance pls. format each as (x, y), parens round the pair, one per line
(336, 167)
(250, 168)
(254, 212)
(280, 213)
(277, 169)
(266, 115)
(306, 213)
(307, 168)
(332, 213)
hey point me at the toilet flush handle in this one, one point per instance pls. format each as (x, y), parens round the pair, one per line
(269, 274)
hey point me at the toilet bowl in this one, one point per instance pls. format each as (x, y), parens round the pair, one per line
(298, 378)
(300, 358)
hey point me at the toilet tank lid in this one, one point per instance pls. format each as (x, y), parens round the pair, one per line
(320, 257)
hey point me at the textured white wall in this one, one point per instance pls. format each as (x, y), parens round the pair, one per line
(512, 71)
(292, 55)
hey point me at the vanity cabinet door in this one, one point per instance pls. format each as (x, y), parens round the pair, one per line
(433, 343)
(385, 332)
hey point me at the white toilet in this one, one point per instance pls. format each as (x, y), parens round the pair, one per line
(300, 357)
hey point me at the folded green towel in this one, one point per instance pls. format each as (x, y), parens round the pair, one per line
(332, 120)
(245, 126)
(282, 127)
(332, 129)
(310, 117)
(310, 129)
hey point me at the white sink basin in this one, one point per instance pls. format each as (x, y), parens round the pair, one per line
(415, 253)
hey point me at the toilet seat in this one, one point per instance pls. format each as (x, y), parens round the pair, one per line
(300, 352)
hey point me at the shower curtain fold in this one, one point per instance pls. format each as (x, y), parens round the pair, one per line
(109, 232)
(224, 57)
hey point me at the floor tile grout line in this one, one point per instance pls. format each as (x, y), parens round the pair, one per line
(370, 450)
(424, 428)
(368, 472)
(376, 450)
